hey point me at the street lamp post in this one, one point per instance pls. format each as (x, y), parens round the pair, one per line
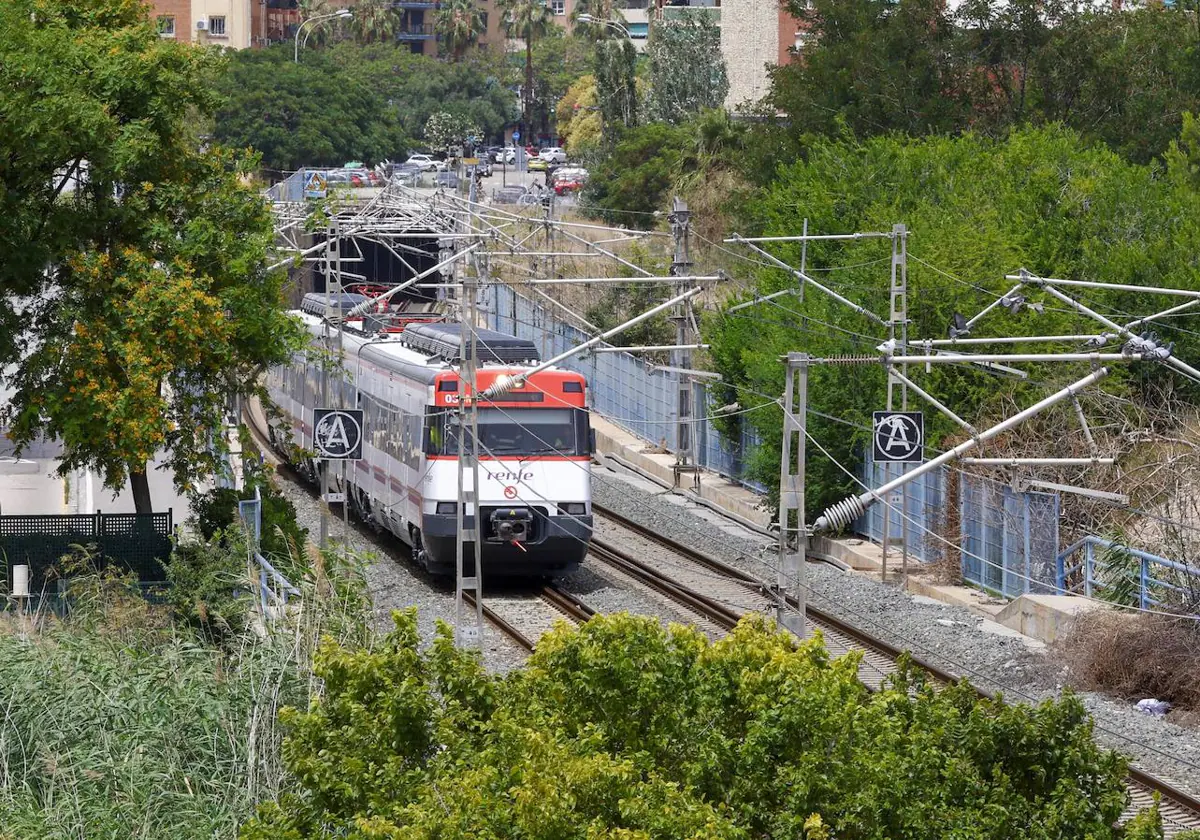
(586, 18)
(340, 13)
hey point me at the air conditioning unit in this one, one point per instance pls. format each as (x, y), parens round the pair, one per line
(202, 25)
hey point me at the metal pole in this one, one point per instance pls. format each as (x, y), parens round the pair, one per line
(682, 357)
(341, 402)
(332, 252)
(852, 507)
(804, 256)
(468, 634)
(790, 575)
(900, 295)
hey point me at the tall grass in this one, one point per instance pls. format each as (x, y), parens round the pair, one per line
(117, 723)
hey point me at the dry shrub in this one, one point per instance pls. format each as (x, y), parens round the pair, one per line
(1135, 656)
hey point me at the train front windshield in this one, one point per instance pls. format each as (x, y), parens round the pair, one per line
(506, 432)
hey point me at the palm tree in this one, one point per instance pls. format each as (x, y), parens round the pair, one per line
(374, 20)
(460, 23)
(319, 34)
(527, 19)
(600, 10)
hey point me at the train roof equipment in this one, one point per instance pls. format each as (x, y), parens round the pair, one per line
(314, 302)
(444, 341)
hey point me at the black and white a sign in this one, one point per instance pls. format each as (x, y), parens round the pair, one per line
(338, 433)
(899, 437)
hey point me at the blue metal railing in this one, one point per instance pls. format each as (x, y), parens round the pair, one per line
(1087, 574)
(273, 588)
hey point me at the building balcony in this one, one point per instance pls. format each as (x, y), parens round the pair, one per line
(419, 32)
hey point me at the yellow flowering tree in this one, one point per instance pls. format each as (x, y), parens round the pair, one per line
(134, 295)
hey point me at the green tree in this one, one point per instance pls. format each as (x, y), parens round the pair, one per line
(374, 21)
(977, 208)
(615, 69)
(527, 20)
(595, 29)
(687, 70)
(1123, 76)
(561, 59)
(579, 118)
(874, 66)
(630, 184)
(324, 32)
(444, 130)
(145, 302)
(415, 87)
(316, 113)
(624, 729)
(460, 23)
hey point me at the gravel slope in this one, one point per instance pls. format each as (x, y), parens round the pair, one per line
(949, 636)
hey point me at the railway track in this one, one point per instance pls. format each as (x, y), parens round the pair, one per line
(738, 592)
(1180, 810)
(522, 617)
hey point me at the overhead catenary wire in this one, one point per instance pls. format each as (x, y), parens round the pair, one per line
(838, 605)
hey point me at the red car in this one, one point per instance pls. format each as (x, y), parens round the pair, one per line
(569, 179)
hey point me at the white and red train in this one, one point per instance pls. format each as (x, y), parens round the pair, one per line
(535, 442)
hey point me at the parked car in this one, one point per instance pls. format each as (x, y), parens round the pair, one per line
(538, 164)
(484, 168)
(363, 178)
(507, 155)
(568, 179)
(508, 195)
(425, 162)
(492, 153)
(446, 179)
(553, 154)
(406, 174)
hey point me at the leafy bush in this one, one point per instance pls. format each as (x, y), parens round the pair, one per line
(211, 587)
(623, 729)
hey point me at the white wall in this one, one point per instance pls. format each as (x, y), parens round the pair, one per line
(237, 22)
(749, 42)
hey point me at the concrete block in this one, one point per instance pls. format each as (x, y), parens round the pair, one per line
(1046, 617)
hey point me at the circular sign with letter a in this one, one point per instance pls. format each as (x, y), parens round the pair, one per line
(899, 437)
(510, 492)
(338, 433)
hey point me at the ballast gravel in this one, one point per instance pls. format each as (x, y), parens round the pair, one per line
(945, 635)
(395, 583)
(957, 640)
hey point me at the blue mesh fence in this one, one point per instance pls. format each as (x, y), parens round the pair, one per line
(923, 506)
(626, 390)
(1009, 540)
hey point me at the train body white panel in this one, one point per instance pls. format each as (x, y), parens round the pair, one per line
(407, 480)
(513, 482)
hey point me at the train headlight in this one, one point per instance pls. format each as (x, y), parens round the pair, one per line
(573, 508)
(447, 507)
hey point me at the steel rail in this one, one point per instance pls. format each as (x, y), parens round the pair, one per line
(1185, 805)
(568, 604)
(502, 625)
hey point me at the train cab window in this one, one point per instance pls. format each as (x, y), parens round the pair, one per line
(513, 432)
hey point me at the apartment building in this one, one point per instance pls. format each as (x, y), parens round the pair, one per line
(494, 35)
(756, 34)
(232, 23)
